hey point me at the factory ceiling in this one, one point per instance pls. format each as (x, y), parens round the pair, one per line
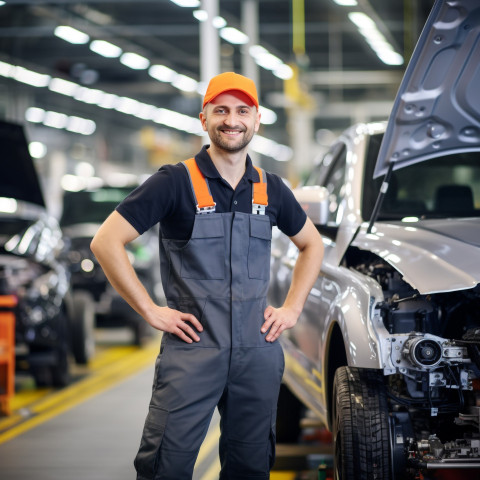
(345, 55)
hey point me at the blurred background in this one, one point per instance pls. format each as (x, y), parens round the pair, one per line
(95, 96)
(114, 87)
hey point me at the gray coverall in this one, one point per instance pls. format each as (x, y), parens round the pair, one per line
(221, 276)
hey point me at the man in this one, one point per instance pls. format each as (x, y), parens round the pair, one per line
(219, 345)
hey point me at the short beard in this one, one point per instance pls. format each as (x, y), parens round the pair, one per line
(219, 142)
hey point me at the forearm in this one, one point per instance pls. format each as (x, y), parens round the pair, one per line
(122, 276)
(304, 275)
(305, 272)
(112, 256)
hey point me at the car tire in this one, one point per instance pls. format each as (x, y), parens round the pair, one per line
(360, 425)
(60, 372)
(83, 327)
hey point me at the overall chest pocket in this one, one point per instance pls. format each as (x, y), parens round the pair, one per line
(259, 247)
(203, 257)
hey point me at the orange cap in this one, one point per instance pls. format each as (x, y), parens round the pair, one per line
(230, 81)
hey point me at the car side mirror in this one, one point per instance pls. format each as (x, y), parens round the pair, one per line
(314, 200)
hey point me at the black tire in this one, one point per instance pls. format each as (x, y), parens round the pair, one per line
(55, 373)
(361, 425)
(83, 327)
(42, 375)
(61, 370)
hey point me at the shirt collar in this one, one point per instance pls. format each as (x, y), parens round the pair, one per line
(207, 167)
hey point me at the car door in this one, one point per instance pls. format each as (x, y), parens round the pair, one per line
(304, 344)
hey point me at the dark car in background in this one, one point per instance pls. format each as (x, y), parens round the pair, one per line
(387, 349)
(83, 213)
(51, 322)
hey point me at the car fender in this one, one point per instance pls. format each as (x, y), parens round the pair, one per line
(351, 309)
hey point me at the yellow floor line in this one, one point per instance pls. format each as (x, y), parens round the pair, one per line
(283, 475)
(28, 397)
(213, 471)
(99, 381)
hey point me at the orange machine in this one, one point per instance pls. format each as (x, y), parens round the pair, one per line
(7, 351)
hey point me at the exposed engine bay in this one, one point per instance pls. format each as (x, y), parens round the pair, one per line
(431, 363)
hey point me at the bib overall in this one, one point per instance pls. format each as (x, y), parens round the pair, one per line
(221, 276)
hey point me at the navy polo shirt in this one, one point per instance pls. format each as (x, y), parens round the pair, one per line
(167, 198)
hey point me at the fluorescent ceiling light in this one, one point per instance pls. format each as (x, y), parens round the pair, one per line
(109, 100)
(162, 73)
(200, 15)
(257, 50)
(346, 3)
(55, 120)
(6, 69)
(232, 35)
(83, 126)
(361, 20)
(31, 78)
(187, 84)
(71, 35)
(35, 115)
(219, 22)
(89, 95)
(268, 61)
(268, 147)
(37, 149)
(202, 88)
(135, 61)
(146, 111)
(284, 72)
(128, 106)
(2, 3)
(60, 120)
(106, 49)
(390, 57)
(186, 3)
(378, 43)
(269, 117)
(63, 86)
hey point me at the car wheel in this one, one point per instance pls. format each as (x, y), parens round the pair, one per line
(61, 370)
(360, 425)
(83, 327)
(54, 374)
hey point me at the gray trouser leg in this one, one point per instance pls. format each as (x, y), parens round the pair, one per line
(186, 391)
(248, 414)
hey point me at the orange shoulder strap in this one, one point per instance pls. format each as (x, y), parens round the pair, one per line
(200, 188)
(203, 197)
(260, 196)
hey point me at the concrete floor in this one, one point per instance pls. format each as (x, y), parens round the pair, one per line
(96, 440)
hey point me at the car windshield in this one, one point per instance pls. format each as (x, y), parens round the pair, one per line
(446, 186)
(91, 206)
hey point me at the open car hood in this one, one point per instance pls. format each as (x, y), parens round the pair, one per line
(437, 108)
(18, 178)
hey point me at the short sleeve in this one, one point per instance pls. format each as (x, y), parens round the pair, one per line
(152, 201)
(290, 216)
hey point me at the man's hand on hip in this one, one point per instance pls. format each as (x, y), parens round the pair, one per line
(169, 320)
(277, 320)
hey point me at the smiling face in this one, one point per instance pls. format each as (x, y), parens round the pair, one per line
(231, 119)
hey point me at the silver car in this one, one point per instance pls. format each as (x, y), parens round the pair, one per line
(387, 350)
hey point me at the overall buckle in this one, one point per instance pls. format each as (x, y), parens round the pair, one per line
(206, 210)
(258, 209)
